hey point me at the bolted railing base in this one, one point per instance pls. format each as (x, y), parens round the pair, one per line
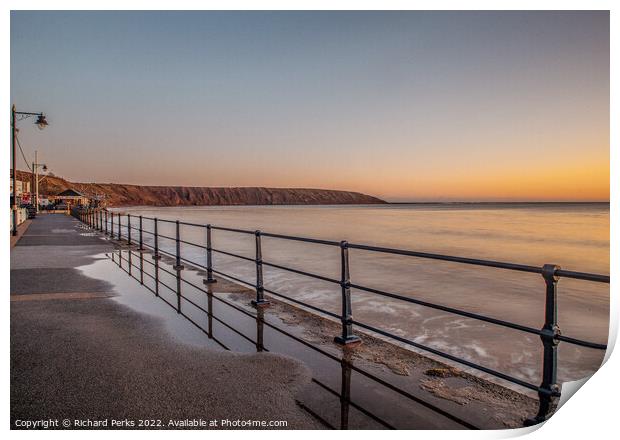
(550, 406)
(178, 267)
(261, 303)
(209, 281)
(349, 340)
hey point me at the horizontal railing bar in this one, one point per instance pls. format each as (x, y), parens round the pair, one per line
(230, 254)
(232, 277)
(581, 342)
(301, 272)
(450, 310)
(334, 315)
(478, 317)
(192, 224)
(454, 358)
(279, 295)
(478, 262)
(464, 260)
(193, 244)
(304, 239)
(138, 229)
(166, 237)
(241, 231)
(198, 265)
(583, 276)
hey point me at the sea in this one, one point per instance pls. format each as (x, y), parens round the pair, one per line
(574, 236)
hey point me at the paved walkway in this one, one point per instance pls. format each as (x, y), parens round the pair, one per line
(78, 354)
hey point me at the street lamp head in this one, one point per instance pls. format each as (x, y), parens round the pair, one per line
(41, 122)
(44, 167)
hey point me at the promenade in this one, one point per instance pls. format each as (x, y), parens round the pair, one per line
(77, 354)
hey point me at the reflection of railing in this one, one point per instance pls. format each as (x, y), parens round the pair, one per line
(346, 365)
(548, 390)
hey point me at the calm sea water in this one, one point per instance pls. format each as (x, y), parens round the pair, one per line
(574, 236)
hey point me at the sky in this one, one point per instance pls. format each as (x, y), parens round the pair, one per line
(406, 106)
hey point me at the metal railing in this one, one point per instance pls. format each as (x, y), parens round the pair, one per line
(548, 390)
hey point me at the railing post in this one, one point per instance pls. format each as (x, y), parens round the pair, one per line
(210, 278)
(156, 255)
(129, 229)
(347, 337)
(260, 300)
(178, 266)
(549, 389)
(119, 227)
(141, 248)
(106, 223)
(111, 225)
(99, 222)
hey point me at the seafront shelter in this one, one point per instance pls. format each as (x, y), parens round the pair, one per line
(70, 197)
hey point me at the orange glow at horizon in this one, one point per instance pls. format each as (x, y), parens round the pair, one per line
(578, 182)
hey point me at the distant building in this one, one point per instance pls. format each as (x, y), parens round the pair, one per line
(22, 190)
(44, 201)
(22, 187)
(70, 197)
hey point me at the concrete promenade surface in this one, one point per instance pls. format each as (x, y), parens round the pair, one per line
(77, 354)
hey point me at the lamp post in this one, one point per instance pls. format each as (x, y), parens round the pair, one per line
(41, 122)
(35, 171)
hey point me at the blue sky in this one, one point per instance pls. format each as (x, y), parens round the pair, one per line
(403, 105)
